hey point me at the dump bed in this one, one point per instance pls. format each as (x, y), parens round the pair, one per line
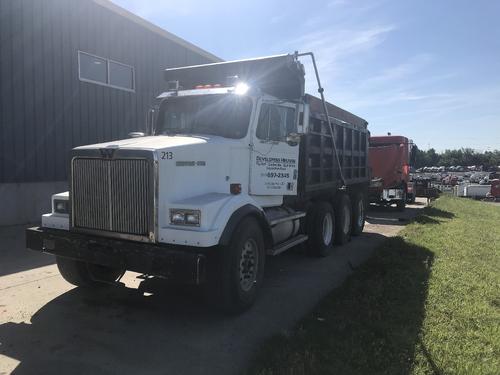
(318, 167)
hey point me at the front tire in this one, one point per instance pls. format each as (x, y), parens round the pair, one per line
(238, 270)
(86, 274)
(320, 229)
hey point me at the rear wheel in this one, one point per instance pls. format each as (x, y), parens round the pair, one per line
(343, 217)
(320, 229)
(238, 269)
(401, 204)
(86, 274)
(358, 213)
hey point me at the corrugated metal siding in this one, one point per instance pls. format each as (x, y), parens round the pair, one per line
(44, 109)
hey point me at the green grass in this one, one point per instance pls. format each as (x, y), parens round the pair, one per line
(427, 302)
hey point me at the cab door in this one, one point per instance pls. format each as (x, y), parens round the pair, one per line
(274, 160)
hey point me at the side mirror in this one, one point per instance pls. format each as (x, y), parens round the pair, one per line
(293, 139)
(150, 120)
(136, 134)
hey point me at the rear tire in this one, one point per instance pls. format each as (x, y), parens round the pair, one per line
(238, 269)
(401, 204)
(320, 229)
(86, 274)
(358, 213)
(410, 199)
(343, 217)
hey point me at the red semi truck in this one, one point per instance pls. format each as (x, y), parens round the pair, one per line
(389, 158)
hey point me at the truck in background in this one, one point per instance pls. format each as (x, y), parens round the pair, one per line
(390, 160)
(494, 193)
(239, 163)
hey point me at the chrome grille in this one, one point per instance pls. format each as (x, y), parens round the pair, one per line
(114, 195)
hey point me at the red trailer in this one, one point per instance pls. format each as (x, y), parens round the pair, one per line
(389, 158)
(494, 193)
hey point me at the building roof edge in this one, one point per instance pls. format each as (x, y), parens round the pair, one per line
(156, 29)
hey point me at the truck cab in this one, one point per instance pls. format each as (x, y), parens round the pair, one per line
(229, 173)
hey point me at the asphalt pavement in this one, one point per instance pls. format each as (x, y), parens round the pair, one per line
(48, 326)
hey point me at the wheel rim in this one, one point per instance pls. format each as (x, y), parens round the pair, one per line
(248, 264)
(327, 229)
(361, 213)
(347, 220)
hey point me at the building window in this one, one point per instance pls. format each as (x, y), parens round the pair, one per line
(105, 72)
(121, 75)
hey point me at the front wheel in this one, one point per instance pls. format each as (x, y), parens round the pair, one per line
(86, 274)
(239, 269)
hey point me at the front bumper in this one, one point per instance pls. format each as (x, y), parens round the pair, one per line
(180, 264)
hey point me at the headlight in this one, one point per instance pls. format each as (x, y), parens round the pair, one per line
(185, 217)
(61, 206)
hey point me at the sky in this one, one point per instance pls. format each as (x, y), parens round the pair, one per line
(428, 70)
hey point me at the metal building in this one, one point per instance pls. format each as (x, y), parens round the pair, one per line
(72, 73)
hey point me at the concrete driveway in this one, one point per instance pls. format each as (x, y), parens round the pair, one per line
(49, 327)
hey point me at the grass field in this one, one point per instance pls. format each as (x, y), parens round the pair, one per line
(427, 302)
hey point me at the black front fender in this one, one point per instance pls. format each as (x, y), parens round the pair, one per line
(238, 216)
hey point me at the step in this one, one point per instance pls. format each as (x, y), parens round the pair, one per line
(278, 249)
(282, 219)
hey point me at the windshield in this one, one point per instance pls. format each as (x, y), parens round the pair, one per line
(223, 115)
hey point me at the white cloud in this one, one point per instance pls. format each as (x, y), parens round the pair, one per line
(334, 48)
(400, 71)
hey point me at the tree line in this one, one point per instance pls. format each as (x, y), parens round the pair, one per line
(463, 157)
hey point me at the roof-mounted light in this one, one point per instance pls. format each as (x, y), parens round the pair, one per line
(214, 86)
(241, 88)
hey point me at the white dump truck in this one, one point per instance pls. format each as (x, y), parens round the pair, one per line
(238, 164)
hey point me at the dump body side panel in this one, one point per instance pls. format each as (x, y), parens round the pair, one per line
(318, 167)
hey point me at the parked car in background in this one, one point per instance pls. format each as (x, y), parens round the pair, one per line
(450, 180)
(475, 177)
(484, 181)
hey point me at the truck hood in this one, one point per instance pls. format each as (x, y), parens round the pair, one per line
(159, 142)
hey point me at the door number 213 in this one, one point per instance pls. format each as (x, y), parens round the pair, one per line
(167, 155)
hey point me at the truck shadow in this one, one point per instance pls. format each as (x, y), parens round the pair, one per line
(169, 329)
(371, 324)
(432, 215)
(389, 216)
(89, 332)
